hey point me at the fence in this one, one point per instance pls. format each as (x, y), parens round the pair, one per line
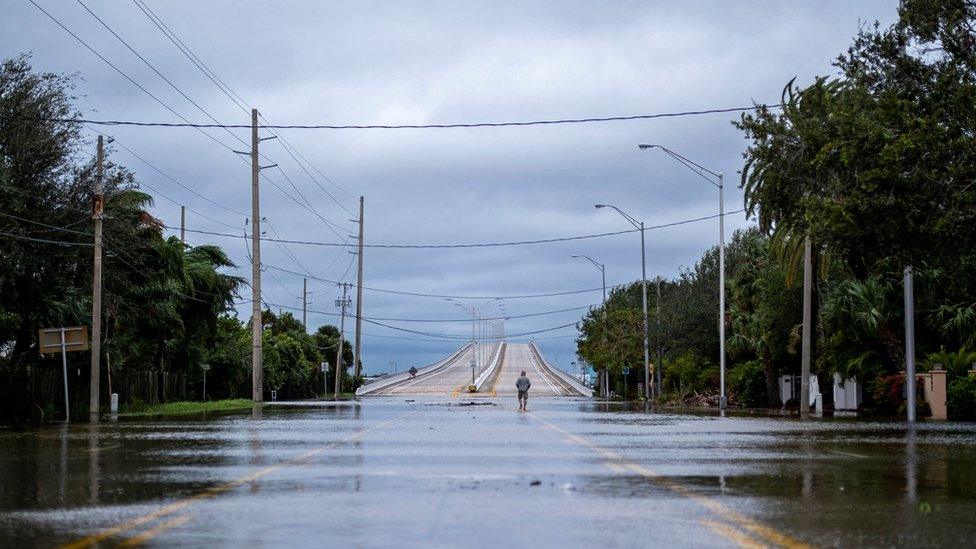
(142, 386)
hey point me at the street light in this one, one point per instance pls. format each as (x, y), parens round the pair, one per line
(639, 225)
(603, 274)
(717, 180)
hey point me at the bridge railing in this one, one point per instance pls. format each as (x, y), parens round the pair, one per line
(392, 379)
(563, 376)
(492, 367)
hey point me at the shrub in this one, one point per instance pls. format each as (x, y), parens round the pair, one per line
(748, 384)
(962, 399)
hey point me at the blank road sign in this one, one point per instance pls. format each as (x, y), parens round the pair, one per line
(75, 339)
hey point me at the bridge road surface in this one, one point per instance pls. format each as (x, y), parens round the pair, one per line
(519, 357)
(448, 381)
(384, 472)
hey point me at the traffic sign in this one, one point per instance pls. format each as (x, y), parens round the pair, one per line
(75, 339)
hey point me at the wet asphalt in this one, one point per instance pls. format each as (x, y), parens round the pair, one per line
(433, 472)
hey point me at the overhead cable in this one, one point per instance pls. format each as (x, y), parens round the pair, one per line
(549, 122)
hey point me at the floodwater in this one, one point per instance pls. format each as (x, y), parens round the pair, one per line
(392, 472)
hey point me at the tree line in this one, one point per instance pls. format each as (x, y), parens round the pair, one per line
(877, 167)
(166, 306)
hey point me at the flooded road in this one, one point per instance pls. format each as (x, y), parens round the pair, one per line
(389, 472)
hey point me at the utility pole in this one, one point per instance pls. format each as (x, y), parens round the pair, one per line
(98, 209)
(359, 297)
(910, 342)
(807, 328)
(257, 369)
(660, 339)
(342, 304)
(305, 304)
(257, 364)
(182, 224)
(647, 358)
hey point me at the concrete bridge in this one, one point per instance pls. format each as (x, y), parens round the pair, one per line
(493, 375)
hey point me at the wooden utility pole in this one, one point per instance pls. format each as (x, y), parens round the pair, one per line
(98, 208)
(807, 329)
(182, 224)
(359, 297)
(305, 303)
(342, 304)
(257, 370)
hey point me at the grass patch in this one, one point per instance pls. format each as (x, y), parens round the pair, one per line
(185, 407)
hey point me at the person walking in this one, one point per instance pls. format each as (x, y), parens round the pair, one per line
(523, 384)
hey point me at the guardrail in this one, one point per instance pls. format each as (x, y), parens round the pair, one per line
(563, 376)
(392, 379)
(496, 360)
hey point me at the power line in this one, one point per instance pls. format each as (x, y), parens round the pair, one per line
(45, 240)
(549, 122)
(482, 244)
(418, 294)
(153, 68)
(463, 337)
(126, 76)
(230, 93)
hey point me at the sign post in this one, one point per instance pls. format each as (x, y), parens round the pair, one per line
(63, 340)
(204, 367)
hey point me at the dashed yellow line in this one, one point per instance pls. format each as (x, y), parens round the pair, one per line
(142, 538)
(769, 534)
(209, 493)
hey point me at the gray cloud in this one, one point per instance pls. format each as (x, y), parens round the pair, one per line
(417, 62)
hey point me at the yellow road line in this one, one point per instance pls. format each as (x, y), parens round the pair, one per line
(730, 533)
(213, 491)
(139, 539)
(723, 511)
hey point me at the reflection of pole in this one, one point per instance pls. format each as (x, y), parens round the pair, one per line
(64, 368)
(910, 342)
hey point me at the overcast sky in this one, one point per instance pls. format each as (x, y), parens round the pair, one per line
(444, 62)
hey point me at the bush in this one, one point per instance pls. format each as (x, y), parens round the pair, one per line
(689, 373)
(748, 384)
(962, 399)
(887, 398)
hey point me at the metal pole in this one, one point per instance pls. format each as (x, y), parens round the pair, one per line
(96, 335)
(910, 342)
(342, 328)
(182, 224)
(660, 340)
(64, 369)
(723, 400)
(647, 358)
(357, 368)
(257, 369)
(305, 303)
(204, 385)
(807, 328)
